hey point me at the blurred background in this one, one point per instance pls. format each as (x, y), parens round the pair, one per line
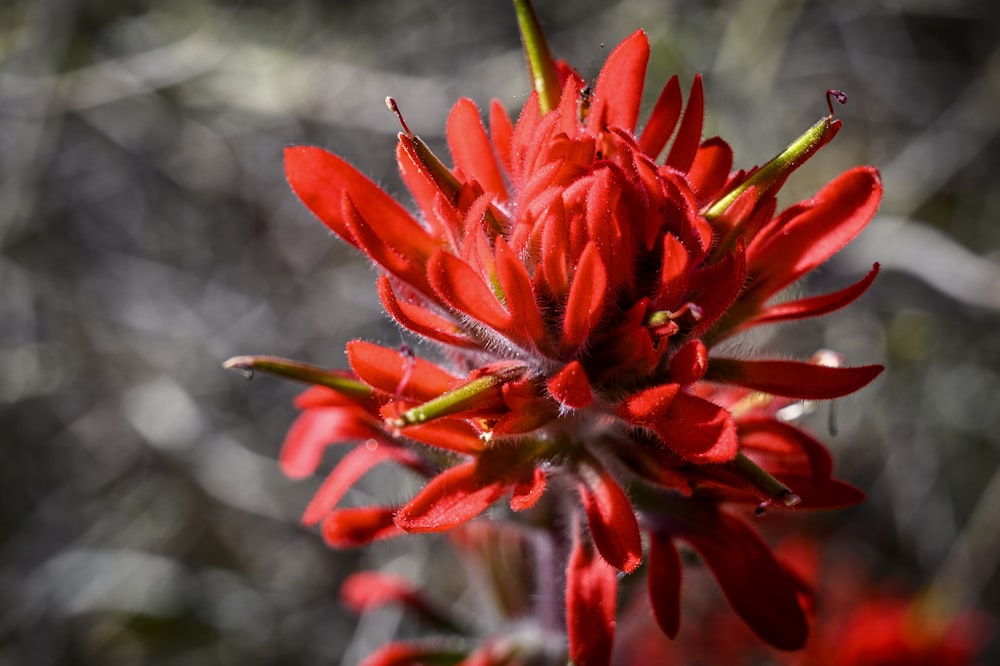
(147, 234)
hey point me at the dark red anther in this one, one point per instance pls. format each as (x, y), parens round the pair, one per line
(835, 94)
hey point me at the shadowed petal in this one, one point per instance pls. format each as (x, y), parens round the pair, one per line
(611, 518)
(756, 585)
(591, 589)
(665, 583)
(453, 497)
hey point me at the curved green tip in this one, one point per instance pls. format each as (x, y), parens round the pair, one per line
(541, 65)
(774, 172)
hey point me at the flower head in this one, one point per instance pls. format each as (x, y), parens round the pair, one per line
(577, 273)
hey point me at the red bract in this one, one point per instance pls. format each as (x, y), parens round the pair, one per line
(577, 282)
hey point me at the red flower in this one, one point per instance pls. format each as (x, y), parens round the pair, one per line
(577, 284)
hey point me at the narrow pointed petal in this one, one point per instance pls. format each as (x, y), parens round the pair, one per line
(501, 132)
(350, 528)
(321, 179)
(792, 379)
(352, 467)
(816, 305)
(421, 320)
(618, 91)
(827, 223)
(685, 145)
(571, 387)
(664, 582)
(516, 284)
(663, 119)
(451, 434)
(611, 519)
(471, 148)
(591, 591)
(453, 497)
(392, 371)
(391, 252)
(461, 287)
(585, 304)
(315, 429)
(756, 585)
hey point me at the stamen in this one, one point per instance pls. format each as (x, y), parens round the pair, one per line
(392, 106)
(411, 361)
(835, 94)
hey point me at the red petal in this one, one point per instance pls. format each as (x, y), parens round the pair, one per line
(815, 306)
(385, 369)
(665, 583)
(618, 91)
(698, 430)
(516, 284)
(471, 148)
(585, 304)
(570, 386)
(710, 169)
(366, 590)
(424, 189)
(649, 405)
(663, 119)
(351, 468)
(406, 261)
(611, 518)
(717, 287)
(529, 409)
(461, 287)
(527, 492)
(349, 528)
(501, 131)
(826, 223)
(689, 135)
(591, 590)
(756, 585)
(792, 379)
(453, 497)
(321, 180)
(690, 362)
(315, 429)
(451, 434)
(421, 320)
(673, 273)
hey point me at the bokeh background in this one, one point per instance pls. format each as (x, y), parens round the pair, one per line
(147, 234)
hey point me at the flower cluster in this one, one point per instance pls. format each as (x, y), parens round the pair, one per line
(576, 275)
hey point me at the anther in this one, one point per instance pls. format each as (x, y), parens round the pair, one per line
(834, 94)
(392, 106)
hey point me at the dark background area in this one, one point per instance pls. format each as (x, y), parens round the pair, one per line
(147, 234)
